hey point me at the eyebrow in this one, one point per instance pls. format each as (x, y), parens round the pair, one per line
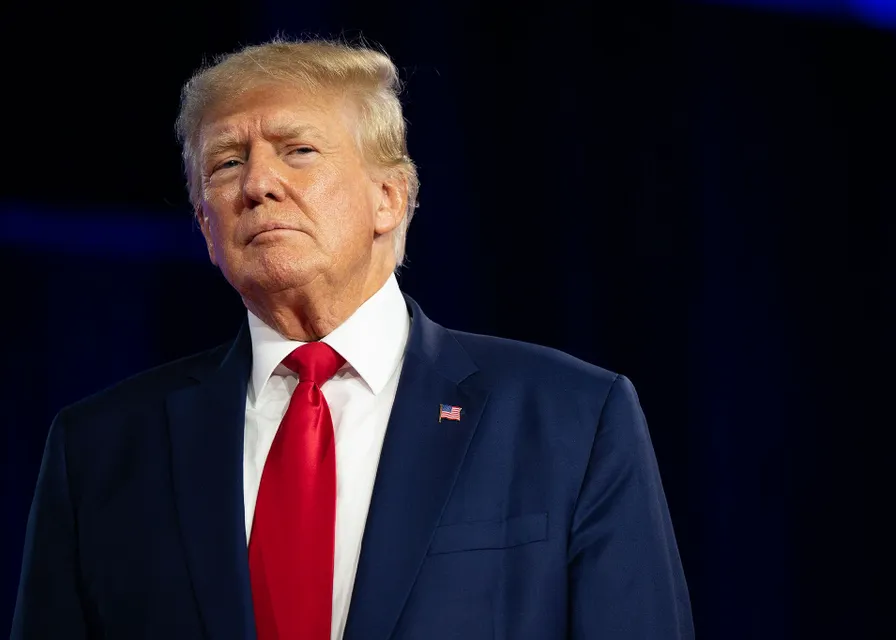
(230, 139)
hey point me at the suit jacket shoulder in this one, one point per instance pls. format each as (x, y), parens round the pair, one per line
(152, 385)
(511, 365)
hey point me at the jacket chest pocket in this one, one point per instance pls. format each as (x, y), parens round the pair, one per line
(490, 534)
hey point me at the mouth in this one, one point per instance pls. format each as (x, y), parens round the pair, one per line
(270, 231)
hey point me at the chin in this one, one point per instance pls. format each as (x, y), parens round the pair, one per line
(273, 273)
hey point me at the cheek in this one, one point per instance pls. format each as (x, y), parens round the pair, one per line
(219, 208)
(318, 185)
(339, 203)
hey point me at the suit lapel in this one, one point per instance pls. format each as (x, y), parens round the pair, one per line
(206, 424)
(419, 463)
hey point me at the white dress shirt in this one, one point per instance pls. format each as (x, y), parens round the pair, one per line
(360, 397)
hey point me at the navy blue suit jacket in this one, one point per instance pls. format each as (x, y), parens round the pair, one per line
(539, 515)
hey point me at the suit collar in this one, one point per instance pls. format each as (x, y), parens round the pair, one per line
(436, 348)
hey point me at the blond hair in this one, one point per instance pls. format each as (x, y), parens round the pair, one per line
(369, 76)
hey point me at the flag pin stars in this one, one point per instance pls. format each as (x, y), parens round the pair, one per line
(449, 412)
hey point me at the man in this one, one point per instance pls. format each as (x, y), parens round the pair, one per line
(346, 468)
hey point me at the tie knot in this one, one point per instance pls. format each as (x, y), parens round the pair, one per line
(314, 362)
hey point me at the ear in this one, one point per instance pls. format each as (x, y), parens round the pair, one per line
(205, 226)
(393, 202)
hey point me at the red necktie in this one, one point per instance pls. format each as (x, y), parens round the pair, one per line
(293, 533)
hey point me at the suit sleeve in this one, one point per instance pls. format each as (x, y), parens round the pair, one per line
(48, 603)
(626, 578)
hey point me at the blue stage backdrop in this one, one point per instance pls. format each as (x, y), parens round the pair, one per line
(711, 185)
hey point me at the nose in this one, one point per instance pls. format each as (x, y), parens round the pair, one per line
(262, 180)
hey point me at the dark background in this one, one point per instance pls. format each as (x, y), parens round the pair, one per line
(698, 196)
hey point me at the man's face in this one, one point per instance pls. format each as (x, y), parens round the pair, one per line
(287, 197)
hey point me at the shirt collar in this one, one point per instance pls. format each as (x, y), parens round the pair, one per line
(372, 341)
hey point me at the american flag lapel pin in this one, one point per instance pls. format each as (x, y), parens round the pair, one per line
(449, 412)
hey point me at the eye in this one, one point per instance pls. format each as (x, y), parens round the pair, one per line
(303, 150)
(227, 164)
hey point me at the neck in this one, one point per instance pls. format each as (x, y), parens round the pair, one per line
(310, 312)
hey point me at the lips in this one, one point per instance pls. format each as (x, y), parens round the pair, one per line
(270, 226)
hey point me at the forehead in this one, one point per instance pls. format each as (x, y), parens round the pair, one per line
(277, 110)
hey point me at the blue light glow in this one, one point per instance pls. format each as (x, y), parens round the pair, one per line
(879, 13)
(125, 235)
